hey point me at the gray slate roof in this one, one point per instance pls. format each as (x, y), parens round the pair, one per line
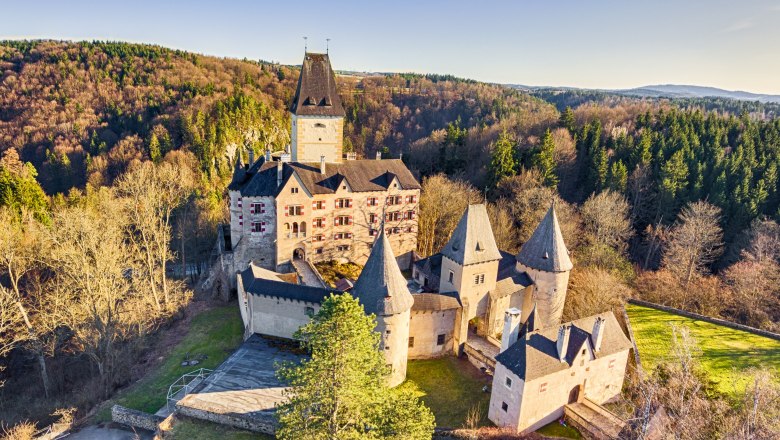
(362, 175)
(536, 355)
(316, 94)
(381, 287)
(545, 250)
(508, 280)
(259, 281)
(435, 301)
(472, 242)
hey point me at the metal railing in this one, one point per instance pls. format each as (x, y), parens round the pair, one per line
(185, 382)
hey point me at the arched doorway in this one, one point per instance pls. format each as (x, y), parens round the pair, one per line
(299, 254)
(574, 394)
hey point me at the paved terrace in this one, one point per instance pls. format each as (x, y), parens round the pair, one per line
(243, 391)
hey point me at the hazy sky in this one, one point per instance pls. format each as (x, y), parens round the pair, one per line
(731, 44)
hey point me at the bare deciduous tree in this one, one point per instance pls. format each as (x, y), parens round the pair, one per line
(442, 203)
(605, 220)
(593, 291)
(695, 241)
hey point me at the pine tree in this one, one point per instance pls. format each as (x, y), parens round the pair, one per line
(340, 392)
(618, 177)
(567, 120)
(544, 160)
(502, 162)
(154, 148)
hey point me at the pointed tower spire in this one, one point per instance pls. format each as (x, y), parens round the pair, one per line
(472, 242)
(546, 250)
(381, 287)
(239, 171)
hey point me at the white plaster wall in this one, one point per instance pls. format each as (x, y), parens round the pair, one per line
(500, 393)
(309, 141)
(549, 293)
(425, 327)
(395, 345)
(276, 316)
(463, 283)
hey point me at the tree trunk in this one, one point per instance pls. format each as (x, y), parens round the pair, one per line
(44, 373)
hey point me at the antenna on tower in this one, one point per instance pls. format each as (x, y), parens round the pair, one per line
(327, 43)
(305, 44)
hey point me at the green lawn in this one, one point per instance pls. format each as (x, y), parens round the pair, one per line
(726, 354)
(191, 429)
(452, 387)
(214, 333)
(556, 430)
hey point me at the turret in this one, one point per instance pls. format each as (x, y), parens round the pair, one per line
(545, 259)
(470, 263)
(382, 290)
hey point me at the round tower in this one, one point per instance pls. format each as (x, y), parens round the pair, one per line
(545, 259)
(382, 290)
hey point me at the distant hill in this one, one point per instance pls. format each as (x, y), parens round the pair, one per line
(665, 91)
(687, 91)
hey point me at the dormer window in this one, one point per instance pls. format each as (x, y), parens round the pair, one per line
(310, 101)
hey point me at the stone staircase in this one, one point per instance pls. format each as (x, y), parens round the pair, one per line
(593, 420)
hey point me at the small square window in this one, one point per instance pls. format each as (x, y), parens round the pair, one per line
(440, 340)
(294, 190)
(504, 406)
(451, 276)
(411, 341)
(309, 311)
(508, 382)
(543, 387)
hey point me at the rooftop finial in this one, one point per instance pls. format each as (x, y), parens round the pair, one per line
(305, 44)
(327, 43)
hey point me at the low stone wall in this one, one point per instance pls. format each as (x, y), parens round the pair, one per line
(134, 418)
(717, 321)
(258, 422)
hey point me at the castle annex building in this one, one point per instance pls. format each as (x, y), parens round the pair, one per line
(314, 202)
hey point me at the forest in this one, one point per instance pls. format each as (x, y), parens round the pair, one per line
(671, 201)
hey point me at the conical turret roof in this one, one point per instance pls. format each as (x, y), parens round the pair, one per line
(381, 287)
(472, 242)
(545, 250)
(239, 172)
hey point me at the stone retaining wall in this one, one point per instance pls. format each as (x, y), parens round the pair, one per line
(258, 422)
(717, 321)
(134, 418)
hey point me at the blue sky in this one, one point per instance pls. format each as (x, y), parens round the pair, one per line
(596, 44)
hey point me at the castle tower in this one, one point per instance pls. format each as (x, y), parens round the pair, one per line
(317, 113)
(382, 290)
(470, 262)
(545, 259)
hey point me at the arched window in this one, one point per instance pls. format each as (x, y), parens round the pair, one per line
(303, 229)
(287, 228)
(295, 228)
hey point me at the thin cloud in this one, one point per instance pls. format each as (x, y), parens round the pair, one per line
(740, 25)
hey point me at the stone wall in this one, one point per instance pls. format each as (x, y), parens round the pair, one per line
(711, 320)
(425, 327)
(273, 316)
(134, 418)
(264, 422)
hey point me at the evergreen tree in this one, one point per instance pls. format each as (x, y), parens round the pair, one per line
(502, 162)
(567, 120)
(544, 160)
(154, 148)
(618, 177)
(340, 392)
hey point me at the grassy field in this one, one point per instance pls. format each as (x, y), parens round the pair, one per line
(452, 387)
(727, 354)
(214, 333)
(191, 429)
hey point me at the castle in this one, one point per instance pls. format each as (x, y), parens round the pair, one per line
(503, 311)
(313, 202)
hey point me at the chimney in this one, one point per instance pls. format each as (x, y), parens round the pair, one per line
(267, 154)
(401, 156)
(511, 328)
(279, 173)
(285, 157)
(378, 155)
(563, 341)
(251, 155)
(322, 164)
(598, 333)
